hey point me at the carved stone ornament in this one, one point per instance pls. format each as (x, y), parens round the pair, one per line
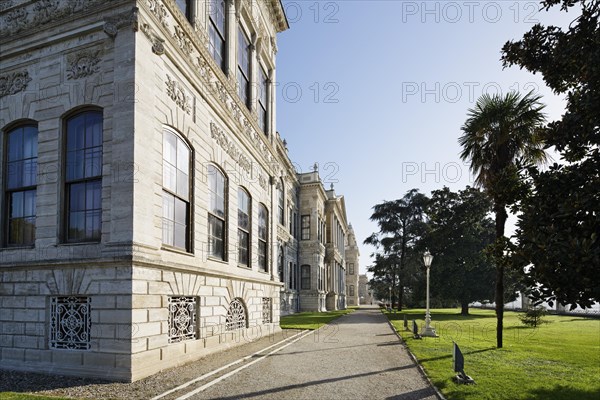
(177, 93)
(13, 83)
(113, 24)
(158, 46)
(6, 4)
(184, 43)
(160, 11)
(83, 64)
(230, 148)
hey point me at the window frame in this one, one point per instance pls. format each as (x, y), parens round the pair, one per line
(7, 191)
(188, 248)
(241, 73)
(214, 28)
(304, 278)
(247, 231)
(263, 242)
(188, 12)
(305, 229)
(263, 96)
(224, 219)
(67, 184)
(281, 204)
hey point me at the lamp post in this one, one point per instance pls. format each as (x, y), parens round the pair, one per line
(428, 330)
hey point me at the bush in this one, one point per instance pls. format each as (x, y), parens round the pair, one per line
(534, 316)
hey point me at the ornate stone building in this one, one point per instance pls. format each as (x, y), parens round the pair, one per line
(364, 290)
(149, 208)
(352, 264)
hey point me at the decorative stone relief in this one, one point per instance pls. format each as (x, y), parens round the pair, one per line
(16, 19)
(184, 43)
(13, 82)
(160, 11)
(178, 94)
(45, 11)
(230, 148)
(83, 64)
(6, 4)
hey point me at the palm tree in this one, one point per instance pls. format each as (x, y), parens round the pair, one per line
(500, 134)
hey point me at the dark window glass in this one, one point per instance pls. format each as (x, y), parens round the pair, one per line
(263, 90)
(280, 263)
(305, 235)
(83, 177)
(351, 269)
(305, 277)
(20, 185)
(217, 213)
(244, 54)
(281, 204)
(216, 31)
(244, 227)
(263, 217)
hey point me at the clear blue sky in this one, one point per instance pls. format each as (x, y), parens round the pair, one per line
(376, 91)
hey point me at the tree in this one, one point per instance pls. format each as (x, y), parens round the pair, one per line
(501, 133)
(459, 230)
(400, 225)
(558, 227)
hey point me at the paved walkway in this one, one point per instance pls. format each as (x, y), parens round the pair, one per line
(358, 356)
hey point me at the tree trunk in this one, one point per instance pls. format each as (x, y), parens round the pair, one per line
(464, 308)
(501, 216)
(399, 297)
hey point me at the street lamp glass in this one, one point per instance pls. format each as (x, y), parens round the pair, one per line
(427, 259)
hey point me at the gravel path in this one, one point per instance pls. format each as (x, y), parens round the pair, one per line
(357, 356)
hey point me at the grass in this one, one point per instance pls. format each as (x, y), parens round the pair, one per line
(24, 396)
(559, 360)
(311, 320)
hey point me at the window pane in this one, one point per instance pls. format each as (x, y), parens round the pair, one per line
(15, 145)
(93, 162)
(30, 142)
(183, 156)
(183, 183)
(93, 197)
(180, 211)
(14, 175)
(180, 239)
(168, 236)
(92, 225)
(30, 172)
(75, 165)
(16, 204)
(29, 203)
(169, 177)
(76, 228)
(75, 133)
(77, 197)
(170, 148)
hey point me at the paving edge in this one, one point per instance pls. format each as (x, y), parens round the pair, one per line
(414, 358)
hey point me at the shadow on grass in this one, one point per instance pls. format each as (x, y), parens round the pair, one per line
(450, 355)
(560, 392)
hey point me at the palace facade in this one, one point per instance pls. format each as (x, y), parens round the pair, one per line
(150, 212)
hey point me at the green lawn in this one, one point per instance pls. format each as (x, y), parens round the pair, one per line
(24, 396)
(559, 360)
(311, 320)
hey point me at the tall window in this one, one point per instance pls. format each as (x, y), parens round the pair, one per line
(20, 185)
(351, 268)
(263, 88)
(217, 213)
(305, 227)
(305, 277)
(216, 31)
(263, 217)
(243, 75)
(281, 204)
(84, 177)
(351, 290)
(176, 191)
(244, 220)
(186, 8)
(291, 276)
(280, 262)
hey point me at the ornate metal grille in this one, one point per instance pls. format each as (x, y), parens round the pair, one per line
(266, 310)
(236, 315)
(182, 319)
(70, 323)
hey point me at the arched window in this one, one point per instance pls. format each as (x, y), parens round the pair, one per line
(244, 227)
(83, 177)
(236, 315)
(217, 213)
(280, 263)
(216, 31)
(20, 184)
(305, 277)
(263, 236)
(176, 191)
(351, 290)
